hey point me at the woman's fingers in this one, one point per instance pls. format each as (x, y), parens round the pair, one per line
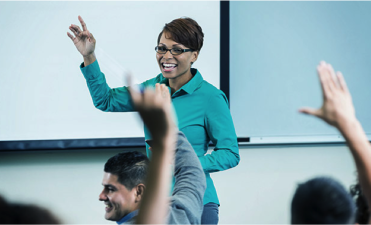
(83, 24)
(70, 35)
(74, 30)
(77, 30)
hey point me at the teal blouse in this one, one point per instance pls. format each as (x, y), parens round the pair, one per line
(202, 111)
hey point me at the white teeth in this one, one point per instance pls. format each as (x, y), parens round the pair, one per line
(169, 65)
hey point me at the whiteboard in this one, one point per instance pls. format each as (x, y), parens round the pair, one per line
(274, 50)
(43, 94)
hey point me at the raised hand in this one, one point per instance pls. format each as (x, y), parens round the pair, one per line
(338, 110)
(154, 106)
(337, 107)
(83, 39)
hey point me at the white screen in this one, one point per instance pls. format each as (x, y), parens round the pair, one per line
(275, 48)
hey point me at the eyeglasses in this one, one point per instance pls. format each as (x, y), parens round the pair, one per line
(173, 51)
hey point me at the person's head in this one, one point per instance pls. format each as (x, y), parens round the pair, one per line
(18, 213)
(363, 212)
(322, 200)
(123, 182)
(179, 34)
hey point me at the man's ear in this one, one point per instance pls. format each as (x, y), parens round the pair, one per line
(139, 191)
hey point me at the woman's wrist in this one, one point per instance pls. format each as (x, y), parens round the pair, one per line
(89, 59)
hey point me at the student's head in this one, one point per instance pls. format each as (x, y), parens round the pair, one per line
(179, 34)
(18, 213)
(322, 200)
(123, 184)
(363, 213)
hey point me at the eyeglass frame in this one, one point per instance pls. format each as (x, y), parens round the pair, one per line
(167, 49)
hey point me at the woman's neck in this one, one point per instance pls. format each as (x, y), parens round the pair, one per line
(178, 82)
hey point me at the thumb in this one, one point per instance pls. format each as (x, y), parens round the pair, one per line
(309, 111)
(91, 37)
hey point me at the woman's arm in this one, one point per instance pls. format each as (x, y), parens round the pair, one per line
(104, 98)
(220, 128)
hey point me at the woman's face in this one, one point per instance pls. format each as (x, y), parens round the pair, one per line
(173, 66)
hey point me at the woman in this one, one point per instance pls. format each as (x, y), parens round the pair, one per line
(202, 109)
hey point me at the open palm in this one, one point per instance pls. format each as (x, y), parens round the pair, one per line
(337, 104)
(83, 39)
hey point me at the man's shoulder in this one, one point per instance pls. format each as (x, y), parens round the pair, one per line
(130, 221)
(129, 218)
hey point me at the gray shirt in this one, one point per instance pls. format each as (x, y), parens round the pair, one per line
(186, 203)
(190, 183)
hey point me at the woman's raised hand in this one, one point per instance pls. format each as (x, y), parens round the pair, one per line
(83, 39)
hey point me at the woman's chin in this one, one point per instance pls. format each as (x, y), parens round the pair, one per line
(168, 74)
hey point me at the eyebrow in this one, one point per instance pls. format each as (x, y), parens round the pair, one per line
(109, 185)
(180, 45)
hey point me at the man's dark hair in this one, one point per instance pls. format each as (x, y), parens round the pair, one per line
(322, 200)
(129, 167)
(363, 212)
(185, 31)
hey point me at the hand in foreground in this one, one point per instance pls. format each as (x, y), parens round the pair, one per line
(83, 39)
(338, 110)
(337, 107)
(154, 106)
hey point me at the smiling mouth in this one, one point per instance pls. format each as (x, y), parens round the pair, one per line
(168, 67)
(108, 207)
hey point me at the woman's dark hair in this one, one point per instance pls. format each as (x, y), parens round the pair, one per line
(362, 213)
(185, 31)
